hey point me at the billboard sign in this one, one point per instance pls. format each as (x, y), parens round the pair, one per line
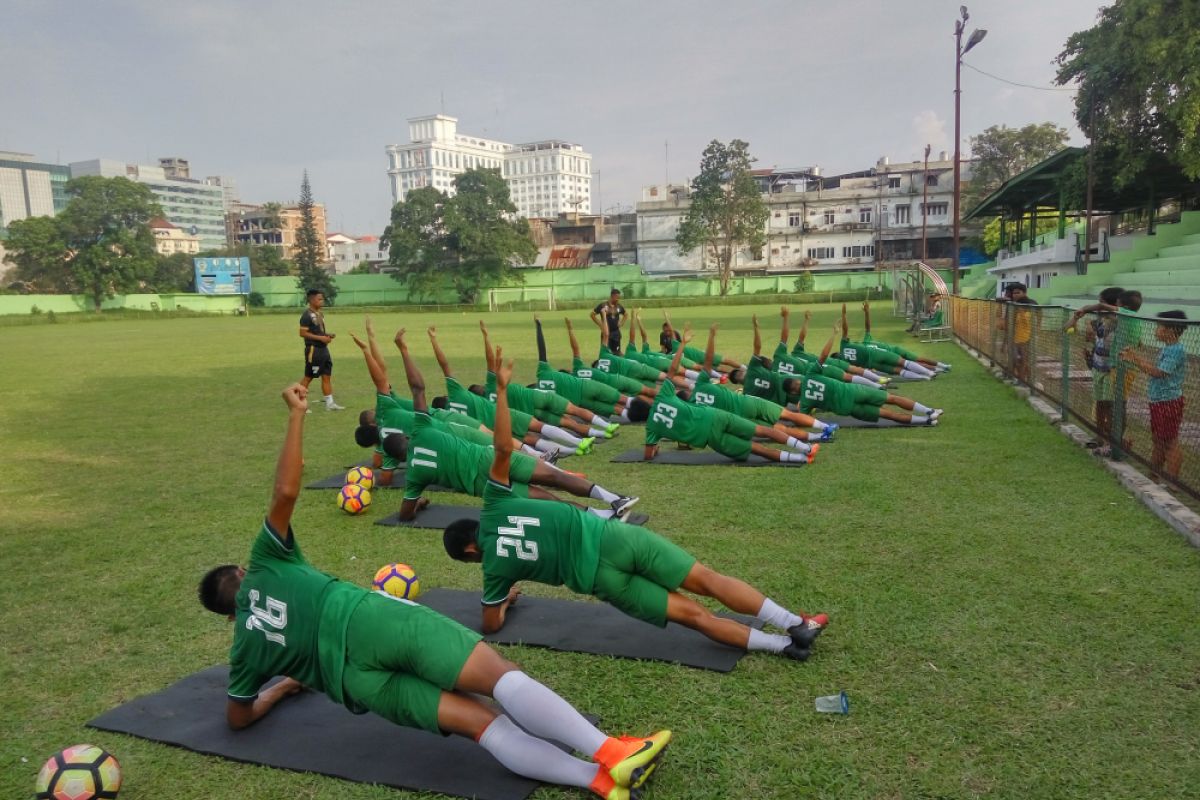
(222, 275)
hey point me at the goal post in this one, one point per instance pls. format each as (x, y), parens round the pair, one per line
(521, 298)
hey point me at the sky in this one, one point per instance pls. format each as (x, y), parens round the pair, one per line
(261, 91)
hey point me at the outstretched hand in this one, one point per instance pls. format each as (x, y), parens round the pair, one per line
(370, 326)
(568, 321)
(687, 333)
(296, 397)
(399, 338)
(807, 316)
(361, 344)
(784, 312)
(713, 328)
(503, 370)
(866, 305)
(483, 326)
(432, 331)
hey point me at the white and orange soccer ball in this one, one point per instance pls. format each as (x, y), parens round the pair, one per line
(363, 476)
(353, 499)
(82, 772)
(398, 580)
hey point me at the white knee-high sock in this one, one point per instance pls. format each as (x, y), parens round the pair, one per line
(598, 421)
(559, 435)
(819, 425)
(544, 714)
(624, 415)
(872, 374)
(529, 450)
(788, 455)
(770, 642)
(775, 614)
(600, 493)
(861, 381)
(691, 374)
(920, 369)
(914, 376)
(596, 433)
(813, 437)
(534, 758)
(547, 446)
(920, 419)
(921, 409)
(797, 445)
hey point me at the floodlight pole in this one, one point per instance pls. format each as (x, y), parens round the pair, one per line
(960, 25)
(925, 208)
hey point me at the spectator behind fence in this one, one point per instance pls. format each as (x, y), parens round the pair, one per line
(1097, 351)
(1165, 391)
(1022, 330)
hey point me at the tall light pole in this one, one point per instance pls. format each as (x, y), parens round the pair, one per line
(925, 207)
(976, 37)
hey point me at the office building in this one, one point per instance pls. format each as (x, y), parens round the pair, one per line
(29, 188)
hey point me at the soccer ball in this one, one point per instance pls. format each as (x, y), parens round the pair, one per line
(363, 476)
(82, 772)
(353, 498)
(398, 580)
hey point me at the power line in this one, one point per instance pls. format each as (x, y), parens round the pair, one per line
(1022, 85)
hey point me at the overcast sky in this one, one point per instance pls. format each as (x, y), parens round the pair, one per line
(262, 90)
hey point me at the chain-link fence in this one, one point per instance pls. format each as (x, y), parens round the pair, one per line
(1131, 380)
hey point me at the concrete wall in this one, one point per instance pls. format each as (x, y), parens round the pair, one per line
(75, 303)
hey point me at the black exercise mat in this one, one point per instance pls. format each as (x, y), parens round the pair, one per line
(339, 480)
(851, 422)
(439, 516)
(696, 458)
(311, 733)
(596, 628)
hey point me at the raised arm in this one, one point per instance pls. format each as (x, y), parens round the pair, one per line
(376, 353)
(687, 337)
(416, 383)
(290, 463)
(571, 336)
(487, 347)
(502, 433)
(604, 331)
(541, 341)
(757, 335)
(837, 330)
(784, 319)
(377, 370)
(804, 329)
(845, 325)
(710, 350)
(667, 319)
(867, 316)
(437, 352)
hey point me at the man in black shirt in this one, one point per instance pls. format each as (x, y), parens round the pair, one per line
(615, 312)
(316, 348)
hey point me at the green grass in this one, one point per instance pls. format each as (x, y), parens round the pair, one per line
(1007, 621)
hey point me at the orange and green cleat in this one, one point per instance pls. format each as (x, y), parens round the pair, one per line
(631, 759)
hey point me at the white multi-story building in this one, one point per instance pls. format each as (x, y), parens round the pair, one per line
(197, 208)
(851, 221)
(30, 189)
(545, 178)
(347, 253)
(170, 239)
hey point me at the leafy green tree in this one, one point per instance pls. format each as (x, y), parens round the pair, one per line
(1001, 153)
(172, 273)
(726, 211)
(103, 241)
(273, 215)
(468, 242)
(1139, 84)
(310, 250)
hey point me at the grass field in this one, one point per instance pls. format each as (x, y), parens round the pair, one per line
(1007, 621)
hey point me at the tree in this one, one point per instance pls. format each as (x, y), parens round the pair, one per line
(310, 249)
(99, 245)
(727, 211)
(172, 273)
(468, 241)
(1139, 84)
(1001, 153)
(273, 214)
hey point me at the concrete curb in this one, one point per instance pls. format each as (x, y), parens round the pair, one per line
(1158, 499)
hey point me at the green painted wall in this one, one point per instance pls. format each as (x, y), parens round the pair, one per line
(75, 303)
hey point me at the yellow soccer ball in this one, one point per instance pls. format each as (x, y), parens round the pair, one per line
(353, 499)
(398, 580)
(363, 476)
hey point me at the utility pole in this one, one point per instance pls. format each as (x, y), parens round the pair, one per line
(925, 207)
(976, 37)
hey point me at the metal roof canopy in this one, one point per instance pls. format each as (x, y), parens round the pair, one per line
(1039, 186)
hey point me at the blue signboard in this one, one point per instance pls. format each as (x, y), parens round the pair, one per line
(222, 275)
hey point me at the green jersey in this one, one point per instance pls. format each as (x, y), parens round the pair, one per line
(396, 418)
(614, 364)
(762, 381)
(535, 540)
(758, 409)
(289, 619)
(791, 364)
(695, 354)
(592, 395)
(619, 382)
(546, 406)
(461, 399)
(440, 457)
(864, 355)
(826, 394)
(675, 419)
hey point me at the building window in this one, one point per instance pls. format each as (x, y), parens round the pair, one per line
(931, 180)
(936, 209)
(902, 215)
(820, 252)
(893, 181)
(864, 215)
(829, 217)
(858, 251)
(794, 219)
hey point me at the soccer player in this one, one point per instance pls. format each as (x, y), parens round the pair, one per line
(438, 458)
(814, 391)
(677, 343)
(615, 364)
(546, 406)
(672, 417)
(659, 361)
(610, 369)
(928, 363)
(518, 538)
(793, 362)
(594, 396)
(316, 348)
(541, 435)
(877, 359)
(758, 409)
(403, 661)
(614, 317)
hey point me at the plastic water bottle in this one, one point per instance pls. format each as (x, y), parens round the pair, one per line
(834, 704)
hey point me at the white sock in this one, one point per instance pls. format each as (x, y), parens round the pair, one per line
(943, 365)
(813, 437)
(530, 451)
(598, 492)
(328, 399)
(872, 374)
(691, 374)
(544, 714)
(788, 455)
(795, 444)
(770, 642)
(597, 433)
(920, 419)
(602, 513)
(861, 381)
(712, 373)
(921, 409)
(547, 446)
(913, 376)
(920, 369)
(820, 425)
(559, 435)
(534, 758)
(599, 421)
(774, 614)
(624, 415)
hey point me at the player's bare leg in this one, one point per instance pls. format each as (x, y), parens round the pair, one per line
(546, 475)
(788, 456)
(790, 442)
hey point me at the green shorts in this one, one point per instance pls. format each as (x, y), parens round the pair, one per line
(548, 406)
(882, 358)
(760, 410)
(599, 398)
(1102, 386)
(520, 423)
(400, 657)
(865, 411)
(520, 470)
(637, 569)
(731, 435)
